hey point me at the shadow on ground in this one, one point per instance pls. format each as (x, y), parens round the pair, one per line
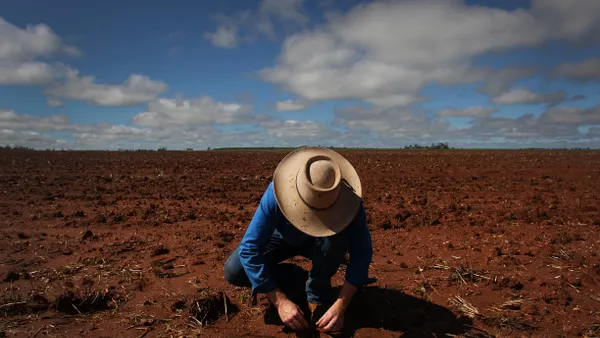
(377, 308)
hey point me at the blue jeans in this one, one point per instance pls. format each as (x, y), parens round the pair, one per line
(326, 253)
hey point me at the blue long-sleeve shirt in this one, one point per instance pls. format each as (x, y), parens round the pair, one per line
(268, 218)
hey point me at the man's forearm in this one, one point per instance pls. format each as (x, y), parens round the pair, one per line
(345, 296)
(276, 297)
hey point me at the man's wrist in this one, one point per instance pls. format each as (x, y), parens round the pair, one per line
(345, 297)
(340, 304)
(276, 297)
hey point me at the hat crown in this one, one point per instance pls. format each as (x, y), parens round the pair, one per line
(318, 182)
(322, 174)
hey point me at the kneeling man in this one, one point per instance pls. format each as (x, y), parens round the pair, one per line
(312, 208)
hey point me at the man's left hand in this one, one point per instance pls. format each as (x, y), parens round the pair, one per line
(333, 319)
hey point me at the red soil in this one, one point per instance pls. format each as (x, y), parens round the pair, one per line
(130, 244)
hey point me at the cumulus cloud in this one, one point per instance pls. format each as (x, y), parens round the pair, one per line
(224, 36)
(298, 129)
(135, 90)
(9, 119)
(255, 21)
(526, 96)
(475, 112)
(21, 47)
(499, 81)
(24, 44)
(403, 125)
(29, 139)
(27, 73)
(290, 105)
(54, 102)
(107, 134)
(399, 100)
(584, 70)
(354, 56)
(359, 125)
(556, 122)
(593, 132)
(200, 111)
(392, 123)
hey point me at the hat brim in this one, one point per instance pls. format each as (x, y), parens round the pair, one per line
(316, 223)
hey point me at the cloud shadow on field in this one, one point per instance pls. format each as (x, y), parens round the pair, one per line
(376, 308)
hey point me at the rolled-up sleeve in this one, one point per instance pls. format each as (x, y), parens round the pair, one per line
(360, 250)
(258, 233)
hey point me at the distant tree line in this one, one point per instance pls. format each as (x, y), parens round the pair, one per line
(440, 145)
(16, 148)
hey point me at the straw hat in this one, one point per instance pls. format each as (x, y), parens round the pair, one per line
(318, 190)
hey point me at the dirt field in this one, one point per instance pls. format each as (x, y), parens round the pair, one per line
(132, 244)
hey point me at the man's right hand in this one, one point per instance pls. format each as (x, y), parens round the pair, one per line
(290, 313)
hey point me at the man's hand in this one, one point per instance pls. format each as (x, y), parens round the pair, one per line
(290, 313)
(333, 319)
(292, 316)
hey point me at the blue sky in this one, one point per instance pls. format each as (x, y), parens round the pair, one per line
(133, 74)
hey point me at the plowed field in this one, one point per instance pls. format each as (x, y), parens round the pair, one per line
(132, 244)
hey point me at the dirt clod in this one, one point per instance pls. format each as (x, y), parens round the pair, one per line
(33, 304)
(178, 305)
(71, 303)
(87, 234)
(508, 282)
(160, 250)
(12, 276)
(211, 306)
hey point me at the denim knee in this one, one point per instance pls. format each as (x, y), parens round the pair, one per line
(234, 271)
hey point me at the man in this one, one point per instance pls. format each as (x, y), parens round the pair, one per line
(312, 208)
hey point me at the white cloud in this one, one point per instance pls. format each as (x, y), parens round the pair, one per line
(399, 100)
(557, 122)
(498, 81)
(355, 55)
(111, 133)
(224, 37)
(291, 105)
(571, 115)
(184, 113)
(17, 44)
(283, 11)
(135, 90)
(391, 123)
(26, 73)
(260, 20)
(53, 102)
(29, 139)
(475, 112)
(402, 126)
(526, 96)
(19, 49)
(298, 129)
(9, 119)
(594, 132)
(584, 70)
